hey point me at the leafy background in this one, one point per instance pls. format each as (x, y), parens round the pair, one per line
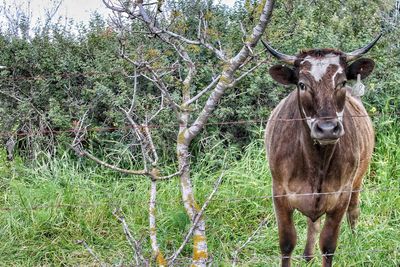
(55, 75)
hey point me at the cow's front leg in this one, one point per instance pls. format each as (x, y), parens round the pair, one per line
(329, 235)
(287, 231)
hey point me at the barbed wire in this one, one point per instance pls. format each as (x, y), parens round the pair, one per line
(156, 126)
(67, 74)
(159, 126)
(268, 258)
(376, 189)
(59, 205)
(64, 75)
(265, 258)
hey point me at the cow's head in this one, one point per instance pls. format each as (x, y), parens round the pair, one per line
(320, 76)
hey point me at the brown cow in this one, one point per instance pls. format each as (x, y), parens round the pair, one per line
(319, 143)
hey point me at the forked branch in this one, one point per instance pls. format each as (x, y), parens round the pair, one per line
(137, 11)
(227, 77)
(80, 132)
(135, 244)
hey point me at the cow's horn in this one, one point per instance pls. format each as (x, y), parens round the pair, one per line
(282, 57)
(361, 51)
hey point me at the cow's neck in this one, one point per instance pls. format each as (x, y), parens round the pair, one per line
(317, 157)
(315, 153)
(325, 154)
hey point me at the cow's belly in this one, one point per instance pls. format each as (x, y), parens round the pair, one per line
(314, 204)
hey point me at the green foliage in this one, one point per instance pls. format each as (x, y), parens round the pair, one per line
(64, 200)
(54, 77)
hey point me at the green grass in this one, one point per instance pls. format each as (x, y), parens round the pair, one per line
(46, 209)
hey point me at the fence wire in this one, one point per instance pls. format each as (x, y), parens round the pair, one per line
(63, 75)
(255, 260)
(276, 258)
(376, 189)
(95, 205)
(265, 259)
(268, 258)
(159, 126)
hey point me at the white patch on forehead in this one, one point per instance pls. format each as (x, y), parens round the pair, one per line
(320, 65)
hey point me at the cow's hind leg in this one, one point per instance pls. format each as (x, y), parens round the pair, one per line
(312, 231)
(353, 210)
(286, 229)
(329, 235)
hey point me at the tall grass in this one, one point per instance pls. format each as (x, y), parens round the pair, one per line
(45, 209)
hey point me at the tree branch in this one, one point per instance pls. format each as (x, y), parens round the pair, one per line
(167, 177)
(227, 75)
(112, 167)
(218, 52)
(204, 91)
(247, 72)
(144, 137)
(78, 148)
(111, 6)
(135, 245)
(164, 34)
(91, 252)
(134, 92)
(237, 251)
(158, 111)
(152, 224)
(196, 220)
(156, 80)
(11, 96)
(164, 89)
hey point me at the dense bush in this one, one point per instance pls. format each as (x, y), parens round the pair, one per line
(55, 76)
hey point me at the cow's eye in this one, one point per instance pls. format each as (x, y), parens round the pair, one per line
(302, 86)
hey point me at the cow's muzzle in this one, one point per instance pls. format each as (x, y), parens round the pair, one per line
(327, 132)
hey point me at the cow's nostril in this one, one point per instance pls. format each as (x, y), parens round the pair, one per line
(318, 129)
(336, 130)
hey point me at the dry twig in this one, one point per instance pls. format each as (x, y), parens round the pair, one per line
(237, 251)
(91, 252)
(135, 244)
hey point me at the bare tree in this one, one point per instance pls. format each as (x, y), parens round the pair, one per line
(191, 114)
(18, 17)
(51, 12)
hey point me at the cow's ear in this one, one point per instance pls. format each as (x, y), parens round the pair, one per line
(362, 66)
(283, 74)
